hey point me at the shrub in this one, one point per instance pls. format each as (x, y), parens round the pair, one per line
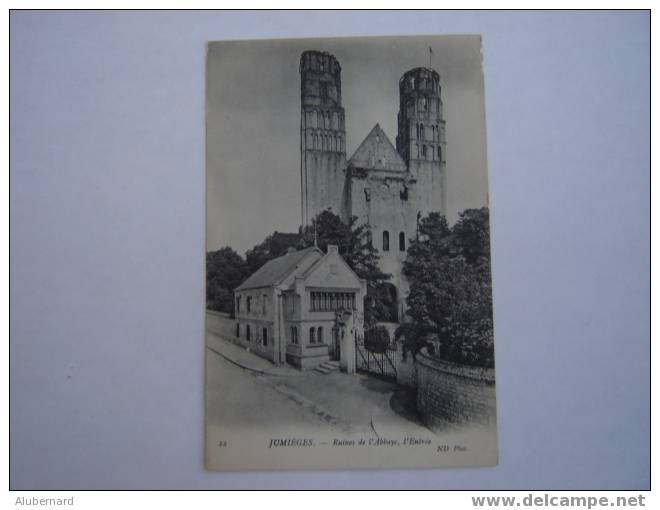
(377, 339)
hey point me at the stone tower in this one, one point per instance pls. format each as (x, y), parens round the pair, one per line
(322, 135)
(421, 137)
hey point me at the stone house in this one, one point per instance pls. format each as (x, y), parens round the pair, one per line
(303, 308)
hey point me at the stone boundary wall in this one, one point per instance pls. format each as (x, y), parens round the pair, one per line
(451, 395)
(221, 324)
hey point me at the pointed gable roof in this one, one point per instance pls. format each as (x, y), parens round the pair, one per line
(276, 270)
(377, 152)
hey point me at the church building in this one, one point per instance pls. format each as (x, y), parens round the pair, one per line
(388, 187)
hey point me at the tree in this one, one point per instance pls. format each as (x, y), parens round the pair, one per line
(275, 245)
(450, 298)
(377, 339)
(225, 270)
(354, 244)
(471, 236)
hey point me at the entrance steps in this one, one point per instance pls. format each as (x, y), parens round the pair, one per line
(327, 367)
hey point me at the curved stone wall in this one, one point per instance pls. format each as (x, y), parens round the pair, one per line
(451, 395)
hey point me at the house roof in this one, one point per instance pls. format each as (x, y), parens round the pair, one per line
(276, 270)
(377, 152)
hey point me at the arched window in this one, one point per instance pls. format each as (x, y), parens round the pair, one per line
(319, 335)
(312, 340)
(386, 240)
(402, 241)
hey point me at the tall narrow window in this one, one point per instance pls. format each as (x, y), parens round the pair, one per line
(248, 333)
(264, 336)
(402, 241)
(312, 340)
(263, 304)
(249, 303)
(238, 304)
(386, 241)
(294, 335)
(238, 330)
(319, 335)
(439, 153)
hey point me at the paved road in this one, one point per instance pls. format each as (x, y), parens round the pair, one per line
(239, 399)
(248, 411)
(335, 402)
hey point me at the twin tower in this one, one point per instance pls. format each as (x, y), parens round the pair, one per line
(387, 187)
(420, 140)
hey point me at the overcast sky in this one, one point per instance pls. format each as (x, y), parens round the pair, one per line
(253, 123)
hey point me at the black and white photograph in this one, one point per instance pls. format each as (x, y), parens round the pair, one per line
(349, 310)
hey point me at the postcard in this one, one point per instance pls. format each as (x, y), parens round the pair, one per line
(349, 313)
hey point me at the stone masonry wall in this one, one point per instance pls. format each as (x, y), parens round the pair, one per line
(451, 395)
(221, 324)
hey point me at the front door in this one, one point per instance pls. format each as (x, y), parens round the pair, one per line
(335, 351)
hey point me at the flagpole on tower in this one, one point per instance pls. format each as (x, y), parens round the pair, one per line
(430, 58)
(315, 240)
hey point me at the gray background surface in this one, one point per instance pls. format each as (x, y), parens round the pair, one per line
(107, 246)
